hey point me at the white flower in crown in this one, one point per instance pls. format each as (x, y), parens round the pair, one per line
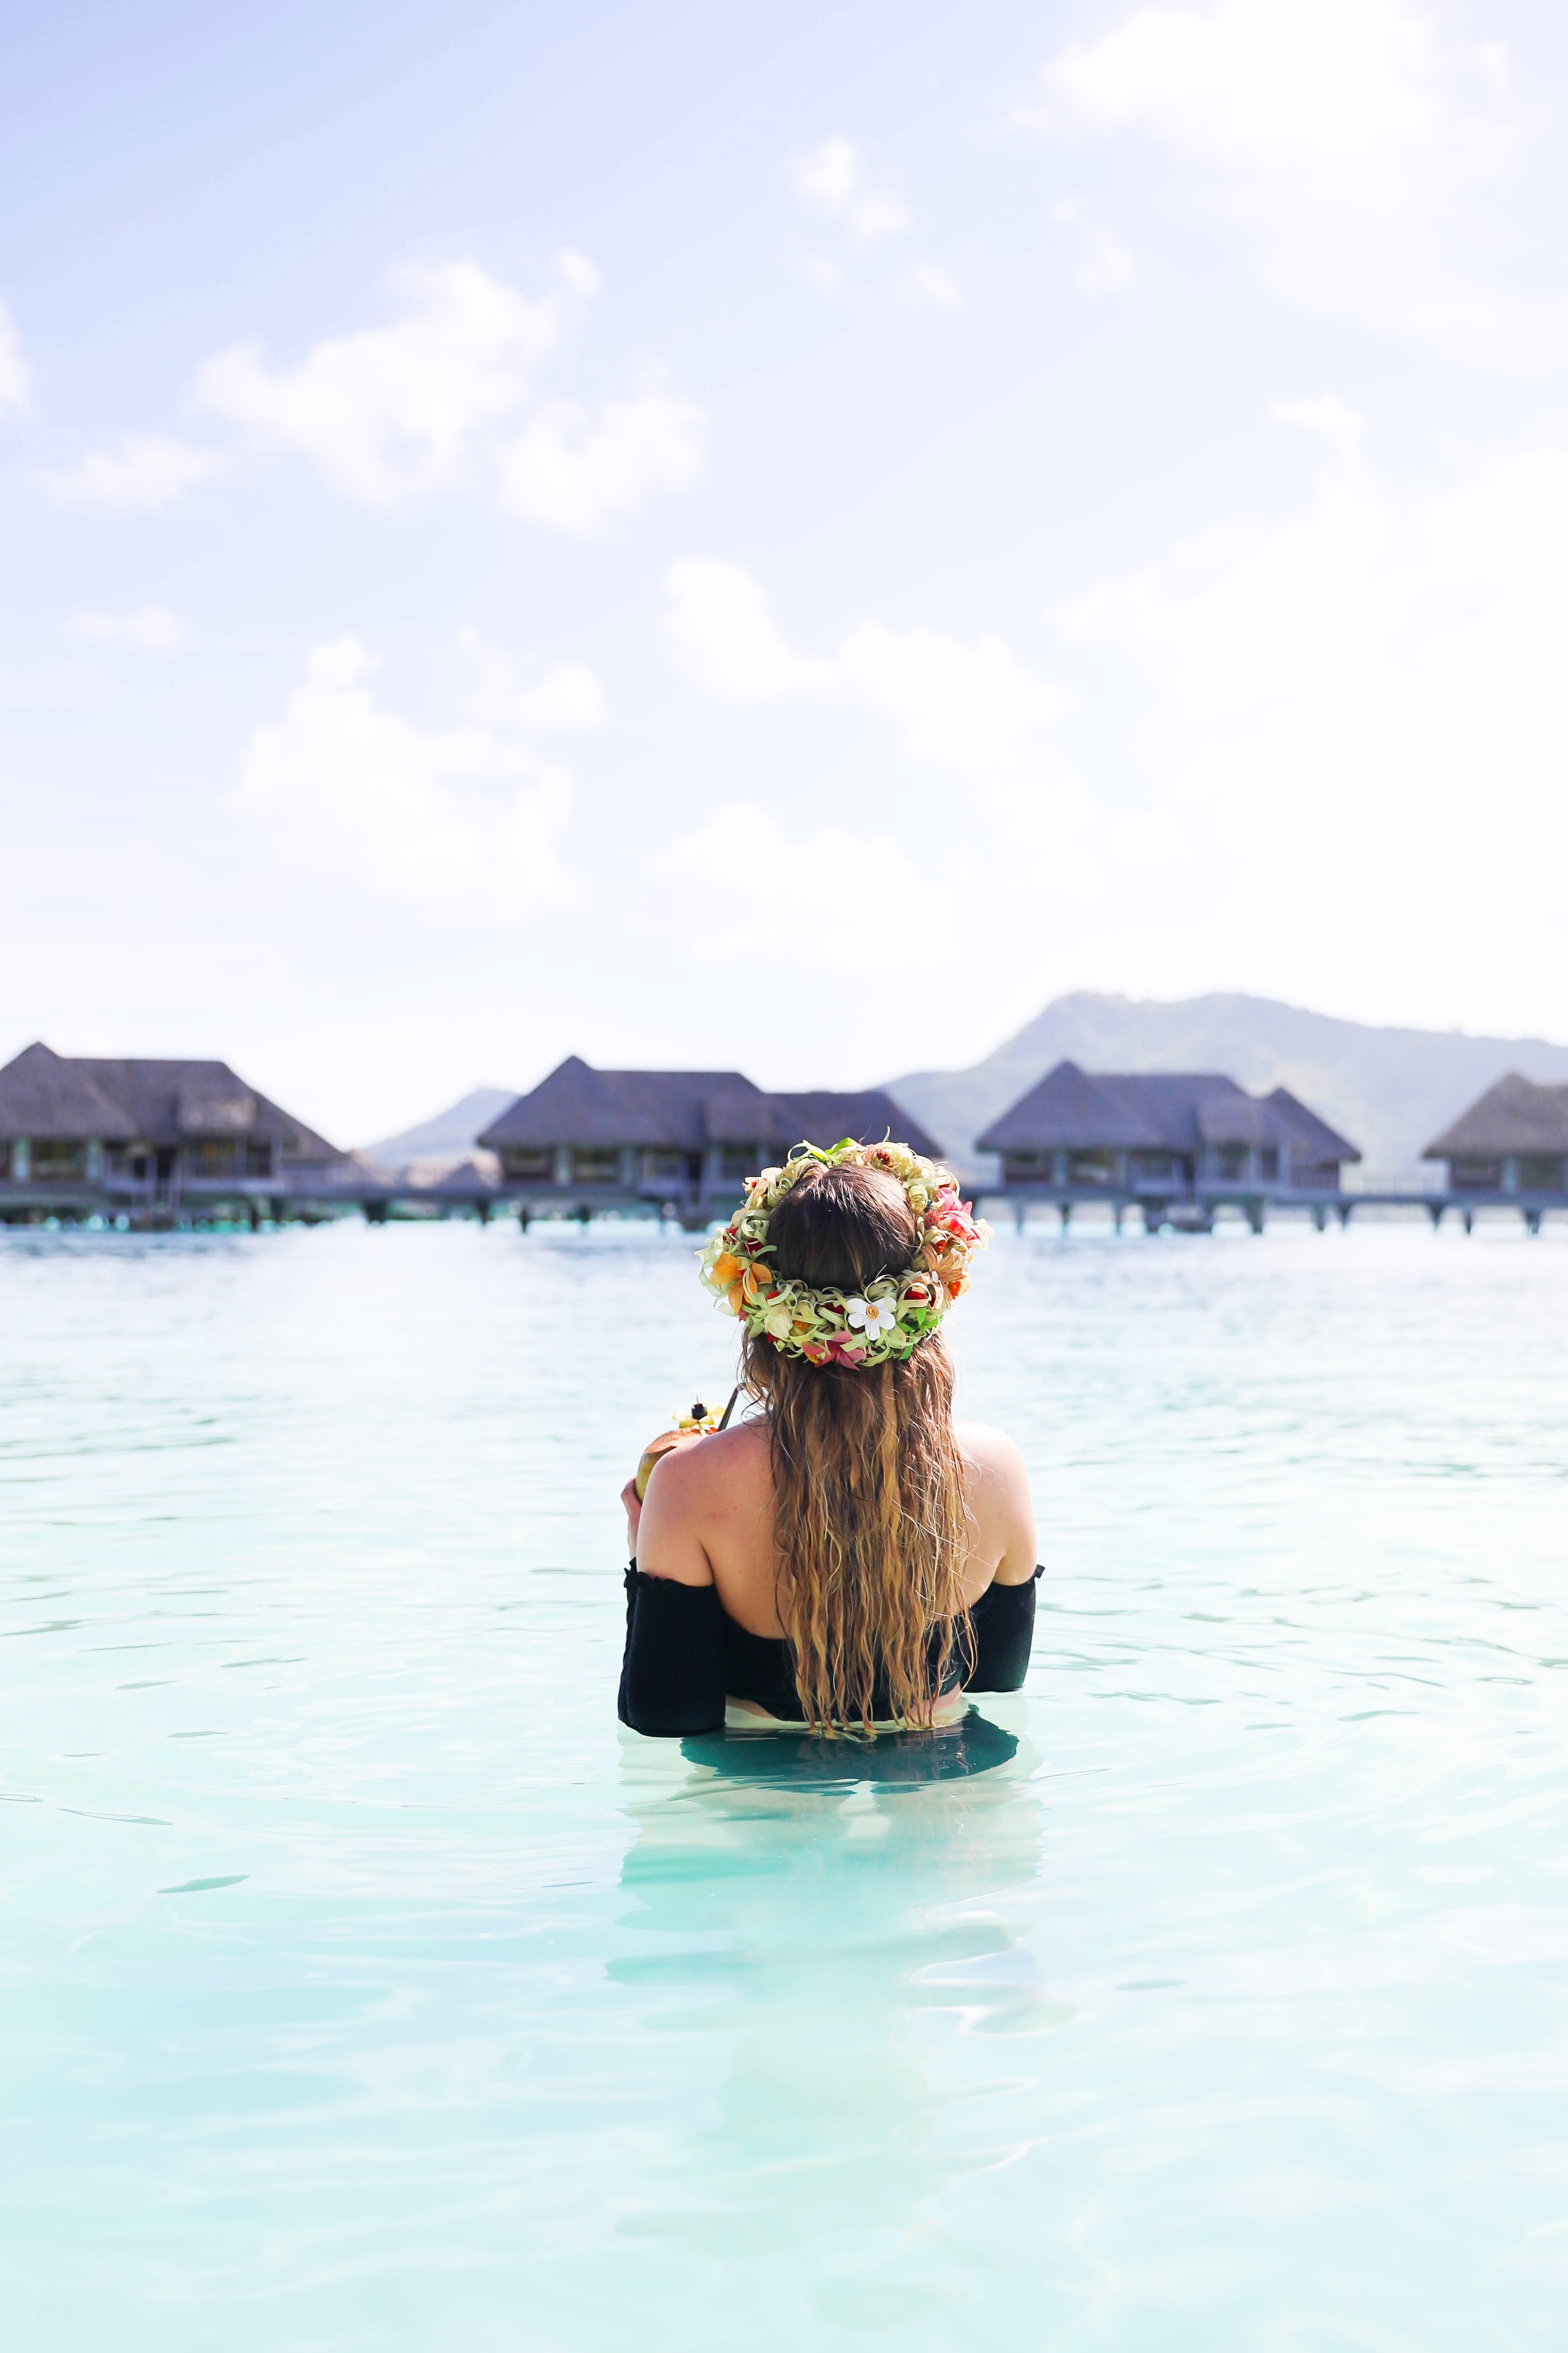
(872, 1316)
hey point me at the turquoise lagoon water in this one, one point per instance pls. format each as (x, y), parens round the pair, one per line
(365, 1986)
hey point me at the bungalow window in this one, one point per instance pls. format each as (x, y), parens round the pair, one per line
(1538, 1176)
(664, 1167)
(1090, 1168)
(209, 1160)
(534, 1163)
(1023, 1168)
(1230, 1160)
(258, 1160)
(1268, 1162)
(5, 1156)
(595, 1167)
(739, 1161)
(1476, 1175)
(55, 1156)
(1156, 1169)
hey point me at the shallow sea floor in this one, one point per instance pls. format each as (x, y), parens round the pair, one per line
(364, 1986)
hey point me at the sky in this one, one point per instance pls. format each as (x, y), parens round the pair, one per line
(776, 539)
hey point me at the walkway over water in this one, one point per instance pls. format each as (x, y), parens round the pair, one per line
(1196, 1212)
(379, 1197)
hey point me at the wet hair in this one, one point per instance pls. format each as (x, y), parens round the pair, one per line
(870, 1522)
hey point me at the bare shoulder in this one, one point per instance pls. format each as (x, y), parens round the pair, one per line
(990, 1452)
(695, 1480)
(998, 1492)
(706, 1506)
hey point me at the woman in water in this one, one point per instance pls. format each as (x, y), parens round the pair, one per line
(851, 1559)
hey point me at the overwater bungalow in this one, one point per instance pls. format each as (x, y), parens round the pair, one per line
(1164, 1141)
(676, 1140)
(82, 1135)
(1512, 1142)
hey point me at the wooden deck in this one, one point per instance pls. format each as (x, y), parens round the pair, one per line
(1196, 1211)
(378, 1201)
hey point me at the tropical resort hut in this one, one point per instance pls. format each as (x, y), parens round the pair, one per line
(1513, 1142)
(679, 1142)
(468, 1186)
(1164, 1139)
(85, 1135)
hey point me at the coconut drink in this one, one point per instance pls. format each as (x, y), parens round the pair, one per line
(687, 1426)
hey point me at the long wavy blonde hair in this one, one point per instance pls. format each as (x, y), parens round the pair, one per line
(870, 1519)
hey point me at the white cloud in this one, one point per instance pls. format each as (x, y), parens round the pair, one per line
(1329, 418)
(395, 410)
(833, 181)
(1335, 136)
(970, 707)
(150, 630)
(927, 285)
(806, 897)
(1104, 264)
(973, 708)
(716, 616)
(15, 376)
(565, 700)
(576, 471)
(141, 472)
(1356, 719)
(446, 397)
(465, 815)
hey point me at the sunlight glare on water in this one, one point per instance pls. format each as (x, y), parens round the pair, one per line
(367, 1986)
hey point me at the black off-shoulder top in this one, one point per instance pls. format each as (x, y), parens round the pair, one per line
(684, 1655)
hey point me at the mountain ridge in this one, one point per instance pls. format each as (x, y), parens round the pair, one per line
(451, 1132)
(1389, 1088)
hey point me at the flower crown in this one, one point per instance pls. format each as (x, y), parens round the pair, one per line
(827, 1325)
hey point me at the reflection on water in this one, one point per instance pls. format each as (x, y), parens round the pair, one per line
(822, 1930)
(366, 1988)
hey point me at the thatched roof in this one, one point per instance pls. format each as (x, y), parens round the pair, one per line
(467, 1182)
(171, 1101)
(43, 1094)
(1513, 1116)
(1306, 1131)
(685, 1110)
(1151, 1111)
(579, 1105)
(870, 1115)
(142, 1102)
(1069, 1110)
(1235, 1119)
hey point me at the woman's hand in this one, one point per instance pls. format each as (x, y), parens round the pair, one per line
(634, 1514)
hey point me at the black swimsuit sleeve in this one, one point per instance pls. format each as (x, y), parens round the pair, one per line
(1003, 1620)
(672, 1670)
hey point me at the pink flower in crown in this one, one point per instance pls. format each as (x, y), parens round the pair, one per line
(839, 1352)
